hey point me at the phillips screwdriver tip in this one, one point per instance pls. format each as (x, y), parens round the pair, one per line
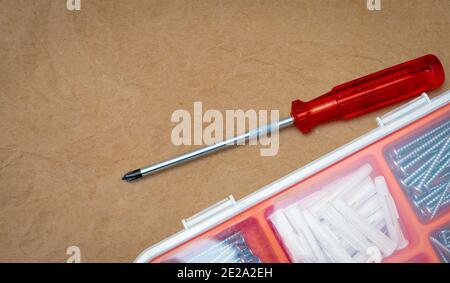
(133, 175)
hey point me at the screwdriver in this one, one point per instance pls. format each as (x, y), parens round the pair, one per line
(346, 101)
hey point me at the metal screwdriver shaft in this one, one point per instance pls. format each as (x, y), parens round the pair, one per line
(346, 101)
(157, 167)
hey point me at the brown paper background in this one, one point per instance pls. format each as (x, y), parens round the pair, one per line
(88, 95)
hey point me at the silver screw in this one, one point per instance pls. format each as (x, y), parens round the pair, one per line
(435, 191)
(232, 250)
(405, 168)
(432, 202)
(427, 210)
(441, 202)
(225, 255)
(419, 151)
(218, 246)
(446, 162)
(439, 246)
(436, 160)
(412, 188)
(419, 139)
(418, 172)
(444, 237)
(446, 174)
(410, 184)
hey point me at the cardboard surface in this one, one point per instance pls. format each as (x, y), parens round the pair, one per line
(88, 95)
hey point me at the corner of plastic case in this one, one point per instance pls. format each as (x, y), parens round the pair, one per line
(209, 212)
(403, 110)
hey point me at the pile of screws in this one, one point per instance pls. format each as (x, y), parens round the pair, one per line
(422, 165)
(232, 249)
(441, 243)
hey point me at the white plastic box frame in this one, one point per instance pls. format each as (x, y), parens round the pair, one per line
(228, 208)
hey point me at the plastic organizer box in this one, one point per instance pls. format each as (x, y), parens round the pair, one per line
(381, 198)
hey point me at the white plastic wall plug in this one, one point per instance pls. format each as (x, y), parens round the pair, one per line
(294, 246)
(297, 220)
(326, 239)
(385, 244)
(390, 213)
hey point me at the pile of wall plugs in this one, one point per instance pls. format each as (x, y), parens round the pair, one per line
(352, 219)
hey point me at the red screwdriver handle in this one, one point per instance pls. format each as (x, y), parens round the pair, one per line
(369, 93)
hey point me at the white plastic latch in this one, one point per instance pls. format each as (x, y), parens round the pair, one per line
(209, 212)
(404, 110)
